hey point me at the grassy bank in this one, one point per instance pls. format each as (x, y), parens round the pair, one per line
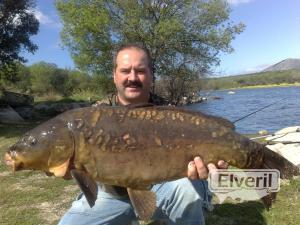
(255, 80)
(31, 198)
(267, 86)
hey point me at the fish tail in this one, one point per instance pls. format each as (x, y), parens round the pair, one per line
(269, 199)
(273, 160)
(287, 169)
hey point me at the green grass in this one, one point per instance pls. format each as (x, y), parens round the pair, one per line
(32, 198)
(78, 96)
(285, 210)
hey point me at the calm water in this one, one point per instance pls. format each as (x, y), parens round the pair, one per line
(234, 106)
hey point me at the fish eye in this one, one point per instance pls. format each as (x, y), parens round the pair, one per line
(32, 140)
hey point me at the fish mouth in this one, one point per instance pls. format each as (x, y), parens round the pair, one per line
(10, 161)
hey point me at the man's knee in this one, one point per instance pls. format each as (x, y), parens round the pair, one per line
(188, 191)
(182, 201)
(107, 210)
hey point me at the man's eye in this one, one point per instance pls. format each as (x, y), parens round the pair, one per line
(125, 71)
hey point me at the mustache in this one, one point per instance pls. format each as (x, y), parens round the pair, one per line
(133, 84)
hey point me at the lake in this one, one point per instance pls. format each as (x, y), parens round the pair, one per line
(286, 112)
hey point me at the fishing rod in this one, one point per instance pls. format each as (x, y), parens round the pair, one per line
(258, 110)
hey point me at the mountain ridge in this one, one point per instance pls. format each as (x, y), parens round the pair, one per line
(286, 64)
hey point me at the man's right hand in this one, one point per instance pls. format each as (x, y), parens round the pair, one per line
(198, 170)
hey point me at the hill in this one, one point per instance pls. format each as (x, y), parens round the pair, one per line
(287, 64)
(256, 79)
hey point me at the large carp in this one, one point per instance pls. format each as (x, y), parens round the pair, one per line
(135, 147)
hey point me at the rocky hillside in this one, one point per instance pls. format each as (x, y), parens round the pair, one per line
(286, 64)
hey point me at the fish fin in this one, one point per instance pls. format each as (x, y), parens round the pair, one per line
(269, 199)
(61, 170)
(287, 169)
(273, 160)
(139, 105)
(222, 121)
(87, 185)
(144, 202)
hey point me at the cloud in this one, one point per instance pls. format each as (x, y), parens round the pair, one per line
(42, 18)
(45, 19)
(238, 2)
(257, 68)
(247, 70)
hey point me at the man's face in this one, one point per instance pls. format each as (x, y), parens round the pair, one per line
(132, 76)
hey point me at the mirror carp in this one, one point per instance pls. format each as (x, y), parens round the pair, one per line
(135, 147)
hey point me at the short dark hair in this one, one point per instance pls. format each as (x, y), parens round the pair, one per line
(136, 46)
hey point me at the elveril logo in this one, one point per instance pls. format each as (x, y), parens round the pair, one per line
(243, 185)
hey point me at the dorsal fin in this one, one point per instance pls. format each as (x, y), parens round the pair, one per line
(220, 120)
(139, 105)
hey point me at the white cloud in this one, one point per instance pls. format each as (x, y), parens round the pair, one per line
(248, 70)
(45, 19)
(238, 2)
(257, 68)
(42, 18)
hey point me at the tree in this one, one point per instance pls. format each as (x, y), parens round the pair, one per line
(41, 76)
(47, 78)
(78, 81)
(17, 24)
(23, 78)
(180, 34)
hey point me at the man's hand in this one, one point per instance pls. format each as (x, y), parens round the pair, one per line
(198, 170)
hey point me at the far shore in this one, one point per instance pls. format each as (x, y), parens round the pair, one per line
(265, 86)
(268, 86)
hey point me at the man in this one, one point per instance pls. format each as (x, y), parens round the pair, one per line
(181, 201)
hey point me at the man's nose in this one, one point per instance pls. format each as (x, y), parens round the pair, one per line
(133, 75)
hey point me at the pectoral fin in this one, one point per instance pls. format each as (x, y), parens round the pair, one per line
(87, 185)
(144, 202)
(61, 170)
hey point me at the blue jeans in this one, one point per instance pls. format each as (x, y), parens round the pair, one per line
(181, 202)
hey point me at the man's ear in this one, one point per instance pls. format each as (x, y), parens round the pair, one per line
(113, 76)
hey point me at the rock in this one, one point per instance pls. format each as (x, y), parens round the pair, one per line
(26, 112)
(216, 98)
(289, 151)
(263, 132)
(191, 100)
(57, 108)
(9, 115)
(14, 99)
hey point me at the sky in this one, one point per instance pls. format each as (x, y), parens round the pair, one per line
(272, 34)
